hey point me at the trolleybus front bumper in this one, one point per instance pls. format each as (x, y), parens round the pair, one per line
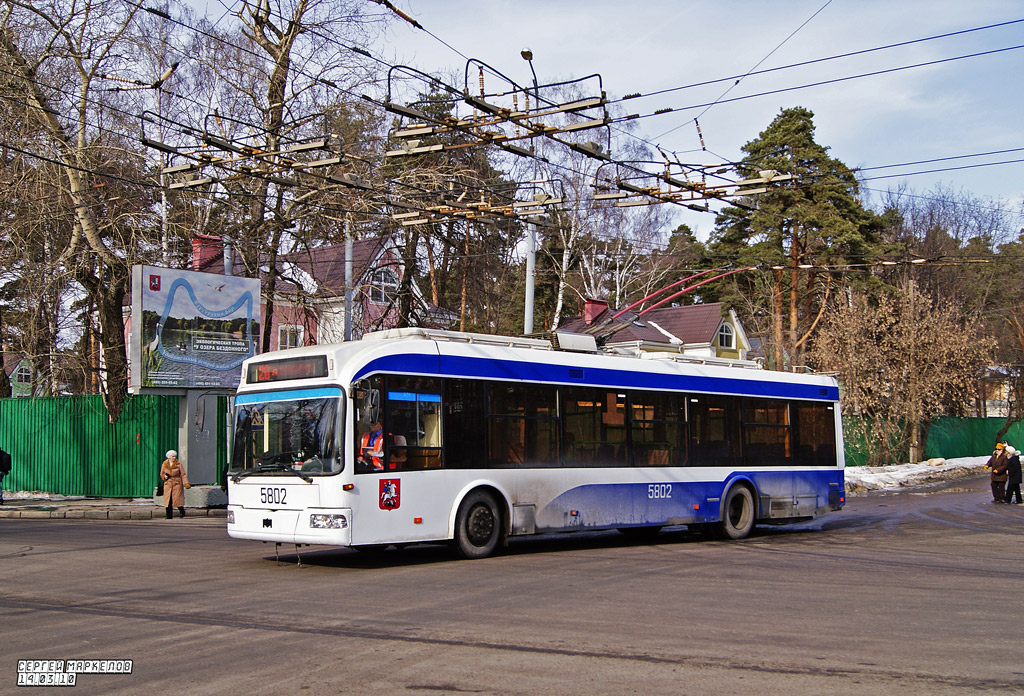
(326, 526)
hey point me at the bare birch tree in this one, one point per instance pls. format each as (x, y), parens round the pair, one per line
(61, 54)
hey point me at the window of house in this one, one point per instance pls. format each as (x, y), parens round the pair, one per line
(23, 375)
(726, 336)
(289, 336)
(383, 286)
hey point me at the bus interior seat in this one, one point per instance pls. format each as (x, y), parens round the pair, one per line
(431, 459)
(399, 453)
(431, 430)
(657, 457)
(608, 453)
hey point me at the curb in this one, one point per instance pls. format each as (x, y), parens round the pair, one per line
(48, 512)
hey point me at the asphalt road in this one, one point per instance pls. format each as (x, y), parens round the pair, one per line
(897, 594)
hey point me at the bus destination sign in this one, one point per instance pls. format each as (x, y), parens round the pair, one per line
(314, 366)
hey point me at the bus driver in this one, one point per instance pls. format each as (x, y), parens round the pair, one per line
(371, 447)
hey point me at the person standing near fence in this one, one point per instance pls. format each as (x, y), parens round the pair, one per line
(175, 483)
(5, 468)
(1013, 478)
(997, 465)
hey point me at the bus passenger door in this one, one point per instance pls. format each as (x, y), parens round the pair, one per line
(400, 494)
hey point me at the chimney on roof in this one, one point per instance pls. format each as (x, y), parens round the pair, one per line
(592, 310)
(205, 249)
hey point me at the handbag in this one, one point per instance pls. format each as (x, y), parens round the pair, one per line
(160, 487)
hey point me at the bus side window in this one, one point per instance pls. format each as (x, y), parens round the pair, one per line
(522, 425)
(659, 428)
(595, 420)
(714, 434)
(815, 434)
(413, 408)
(464, 421)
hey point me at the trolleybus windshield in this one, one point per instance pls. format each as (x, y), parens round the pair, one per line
(288, 430)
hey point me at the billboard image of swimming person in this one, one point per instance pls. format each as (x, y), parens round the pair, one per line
(191, 329)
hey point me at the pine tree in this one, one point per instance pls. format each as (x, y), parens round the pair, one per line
(813, 221)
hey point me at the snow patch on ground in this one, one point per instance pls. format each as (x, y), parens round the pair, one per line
(40, 495)
(55, 497)
(882, 478)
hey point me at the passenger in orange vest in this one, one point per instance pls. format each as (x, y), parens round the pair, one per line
(371, 447)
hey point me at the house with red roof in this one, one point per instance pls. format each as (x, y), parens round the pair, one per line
(707, 332)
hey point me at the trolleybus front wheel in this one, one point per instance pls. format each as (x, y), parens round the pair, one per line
(737, 513)
(478, 525)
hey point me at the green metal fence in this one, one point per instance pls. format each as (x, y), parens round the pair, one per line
(947, 438)
(66, 445)
(969, 437)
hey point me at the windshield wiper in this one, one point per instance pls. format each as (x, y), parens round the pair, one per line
(276, 467)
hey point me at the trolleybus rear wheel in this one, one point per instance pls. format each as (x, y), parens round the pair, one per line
(478, 525)
(737, 513)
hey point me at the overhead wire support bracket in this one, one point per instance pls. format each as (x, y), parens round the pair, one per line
(191, 182)
(157, 145)
(405, 111)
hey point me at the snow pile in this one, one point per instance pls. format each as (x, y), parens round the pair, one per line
(881, 478)
(40, 495)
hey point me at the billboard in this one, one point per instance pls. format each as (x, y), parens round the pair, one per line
(191, 329)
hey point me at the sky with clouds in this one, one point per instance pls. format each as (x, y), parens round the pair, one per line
(951, 107)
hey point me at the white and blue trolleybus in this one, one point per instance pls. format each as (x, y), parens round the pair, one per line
(416, 435)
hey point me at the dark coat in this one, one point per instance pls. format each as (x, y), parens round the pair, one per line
(1013, 470)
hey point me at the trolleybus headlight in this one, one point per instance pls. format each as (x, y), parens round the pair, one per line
(319, 521)
(231, 516)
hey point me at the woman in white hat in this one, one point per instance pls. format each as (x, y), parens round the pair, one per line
(175, 483)
(1013, 477)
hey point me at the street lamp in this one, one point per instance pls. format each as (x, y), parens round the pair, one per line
(531, 246)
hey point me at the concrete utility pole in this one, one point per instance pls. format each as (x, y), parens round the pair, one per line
(348, 278)
(531, 245)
